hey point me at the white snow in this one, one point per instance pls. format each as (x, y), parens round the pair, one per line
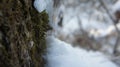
(61, 54)
(71, 26)
(97, 33)
(104, 32)
(46, 5)
(116, 6)
(40, 5)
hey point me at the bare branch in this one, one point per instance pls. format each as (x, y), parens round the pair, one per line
(114, 22)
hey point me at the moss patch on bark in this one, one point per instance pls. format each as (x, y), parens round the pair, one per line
(22, 30)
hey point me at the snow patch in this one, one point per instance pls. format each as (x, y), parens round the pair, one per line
(116, 6)
(47, 5)
(61, 54)
(40, 5)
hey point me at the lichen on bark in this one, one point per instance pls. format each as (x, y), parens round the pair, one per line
(22, 30)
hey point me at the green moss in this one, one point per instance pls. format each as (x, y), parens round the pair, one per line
(39, 28)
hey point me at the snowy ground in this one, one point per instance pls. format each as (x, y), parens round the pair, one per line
(61, 54)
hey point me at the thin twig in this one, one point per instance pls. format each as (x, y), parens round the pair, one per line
(114, 22)
(80, 23)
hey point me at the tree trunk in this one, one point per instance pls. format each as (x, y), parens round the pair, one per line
(22, 30)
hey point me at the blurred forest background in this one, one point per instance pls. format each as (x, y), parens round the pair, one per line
(90, 24)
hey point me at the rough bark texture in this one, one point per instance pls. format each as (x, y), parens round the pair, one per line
(22, 30)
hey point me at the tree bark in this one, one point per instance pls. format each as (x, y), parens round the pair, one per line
(22, 30)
